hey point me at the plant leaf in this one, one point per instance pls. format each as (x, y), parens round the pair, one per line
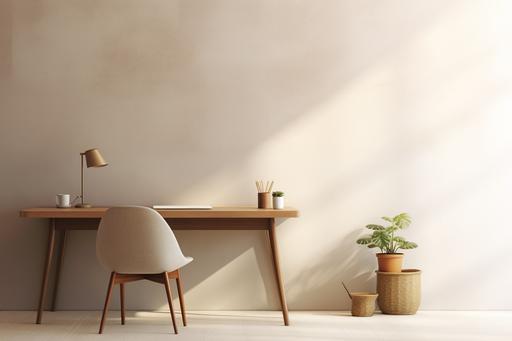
(375, 227)
(381, 239)
(408, 245)
(364, 240)
(388, 219)
(402, 221)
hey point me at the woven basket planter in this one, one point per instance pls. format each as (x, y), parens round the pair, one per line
(363, 303)
(399, 292)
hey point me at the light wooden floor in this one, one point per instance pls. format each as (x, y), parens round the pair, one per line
(227, 326)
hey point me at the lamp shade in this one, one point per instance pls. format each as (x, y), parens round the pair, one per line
(93, 158)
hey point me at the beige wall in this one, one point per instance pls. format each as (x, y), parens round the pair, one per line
(356, 109)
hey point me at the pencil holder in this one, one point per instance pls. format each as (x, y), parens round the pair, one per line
(264, 200)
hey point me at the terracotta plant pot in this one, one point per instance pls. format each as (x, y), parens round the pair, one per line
(390, 262)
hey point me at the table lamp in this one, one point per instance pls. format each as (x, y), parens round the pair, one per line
(93, 158)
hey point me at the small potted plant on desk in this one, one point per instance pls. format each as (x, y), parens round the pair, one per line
(278, 200)
(384, 238)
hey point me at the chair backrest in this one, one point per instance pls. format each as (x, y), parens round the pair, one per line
(134, 239)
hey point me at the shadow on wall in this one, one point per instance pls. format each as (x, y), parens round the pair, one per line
(322, 280)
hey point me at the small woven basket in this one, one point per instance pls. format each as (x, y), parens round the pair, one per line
(363, 303)
(399, 292)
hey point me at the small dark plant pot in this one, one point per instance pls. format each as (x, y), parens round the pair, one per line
(390, 262)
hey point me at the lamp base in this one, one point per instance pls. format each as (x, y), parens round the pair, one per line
(83, 205)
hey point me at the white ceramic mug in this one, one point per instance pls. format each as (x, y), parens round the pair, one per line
(63, 200)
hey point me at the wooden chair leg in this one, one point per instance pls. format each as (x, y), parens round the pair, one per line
(182, 301)
(107, 300)
(121, 292)
(169, 299)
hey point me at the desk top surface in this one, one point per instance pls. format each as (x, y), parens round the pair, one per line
(216, 212)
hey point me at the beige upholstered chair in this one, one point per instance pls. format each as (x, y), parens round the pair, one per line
(136, 243)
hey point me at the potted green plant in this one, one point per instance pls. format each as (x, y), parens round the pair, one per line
(278, 200)
(385, 238)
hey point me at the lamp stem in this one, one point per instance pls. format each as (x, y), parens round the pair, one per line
(82, 178)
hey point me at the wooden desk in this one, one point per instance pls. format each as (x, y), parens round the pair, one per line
(218, 218)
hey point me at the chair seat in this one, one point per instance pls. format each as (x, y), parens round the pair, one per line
(181, 263)
(188, 260)
(131, 269)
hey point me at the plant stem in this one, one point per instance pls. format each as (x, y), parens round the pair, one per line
(392, 242)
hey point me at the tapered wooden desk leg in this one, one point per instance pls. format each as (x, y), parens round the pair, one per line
(44, 284)
(62, 247)
(277, 269)
(121, 292)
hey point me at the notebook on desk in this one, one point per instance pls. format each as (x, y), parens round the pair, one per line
(182, 207)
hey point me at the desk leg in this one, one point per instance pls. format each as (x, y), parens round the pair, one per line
(61, 249)
(277, 270)
(44, 284)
